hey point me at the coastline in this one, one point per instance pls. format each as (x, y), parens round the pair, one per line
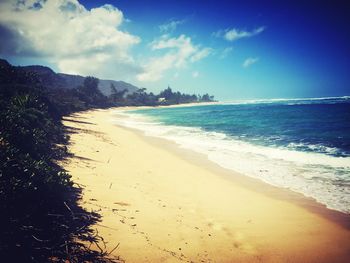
(165, 204)
(252, 183)
(191, 104)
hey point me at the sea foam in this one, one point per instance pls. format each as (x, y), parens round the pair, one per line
(316, 175)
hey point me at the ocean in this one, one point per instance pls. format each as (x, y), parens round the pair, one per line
(299, 144)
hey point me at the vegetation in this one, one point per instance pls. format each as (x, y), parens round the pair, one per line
(40, 219)
(165, 97)
(178, 98)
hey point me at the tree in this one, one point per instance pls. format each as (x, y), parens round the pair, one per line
(167, 94)
(117, 96)
(91, 94)
(205, 97)
(90, 86)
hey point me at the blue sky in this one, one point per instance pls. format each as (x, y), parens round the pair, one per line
(234, 50)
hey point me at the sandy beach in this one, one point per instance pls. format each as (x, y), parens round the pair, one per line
(164, 204)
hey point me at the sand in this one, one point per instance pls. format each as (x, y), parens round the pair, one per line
(163, 204)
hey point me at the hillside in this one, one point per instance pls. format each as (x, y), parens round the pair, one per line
(73, 92)
(55, 80)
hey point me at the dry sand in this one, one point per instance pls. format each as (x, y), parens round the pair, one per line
(168, 205)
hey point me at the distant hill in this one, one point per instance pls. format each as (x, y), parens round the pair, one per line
(55, 80)
(105, 86)
(4, 63)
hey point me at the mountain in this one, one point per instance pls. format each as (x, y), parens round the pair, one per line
(105, 86)
(4, 63)
(55, 80)
(47, 77)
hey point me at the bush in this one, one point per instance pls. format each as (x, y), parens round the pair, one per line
(40, 219)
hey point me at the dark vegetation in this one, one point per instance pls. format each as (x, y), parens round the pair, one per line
(54, 80)
(165, 97)
(41, 220)
(114, 93)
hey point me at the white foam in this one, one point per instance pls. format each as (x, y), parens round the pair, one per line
(292, 101)
(323, 177)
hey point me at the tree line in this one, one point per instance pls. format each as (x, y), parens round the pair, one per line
(88, 96)
(165, 97)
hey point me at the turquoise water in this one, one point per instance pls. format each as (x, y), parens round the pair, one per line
(300, 144)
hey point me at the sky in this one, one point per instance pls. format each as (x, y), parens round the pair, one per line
(231, 49)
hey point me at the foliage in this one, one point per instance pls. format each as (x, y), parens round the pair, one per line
(40, 219)
(165, 97)
(90, 94)
(117, 97)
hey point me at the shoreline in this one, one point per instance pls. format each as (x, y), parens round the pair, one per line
(229, 207)
(191, 104)
(179, 146)
(200, 159)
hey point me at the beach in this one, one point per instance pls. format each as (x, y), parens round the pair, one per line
(160, 203)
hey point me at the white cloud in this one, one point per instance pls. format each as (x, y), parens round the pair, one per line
(201, 54)
(77, 40)
(179, 53)
(171, 26)
(235, 34)
(195, 74)
(226, 52)
(249, 61)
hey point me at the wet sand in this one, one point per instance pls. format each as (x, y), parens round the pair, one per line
(164, 204)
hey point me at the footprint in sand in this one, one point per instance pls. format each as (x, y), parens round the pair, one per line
(214, 225)
(121, 203)
(242, 244)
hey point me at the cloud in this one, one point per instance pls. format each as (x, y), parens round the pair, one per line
(235, 34)
(201, 54)
(179, 52)
(249, 61)
(226, 52)
(171, 26)
(77, 40)
(195, 74)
